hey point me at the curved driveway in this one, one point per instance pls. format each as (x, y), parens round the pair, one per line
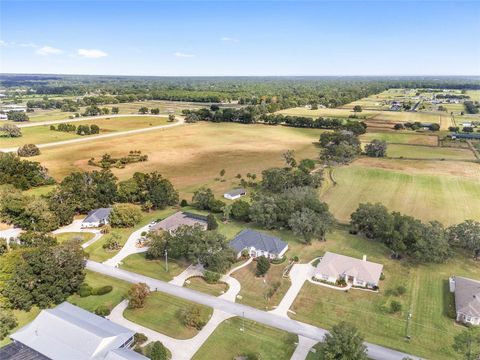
(296, 327)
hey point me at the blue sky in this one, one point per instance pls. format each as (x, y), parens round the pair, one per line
(241, 38)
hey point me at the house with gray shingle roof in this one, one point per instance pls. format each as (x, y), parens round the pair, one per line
(180, 218)
(467, 299)
(96, 218)
(258, 244)
(357, 272)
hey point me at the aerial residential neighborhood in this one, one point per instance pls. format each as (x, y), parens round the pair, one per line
(261, 180)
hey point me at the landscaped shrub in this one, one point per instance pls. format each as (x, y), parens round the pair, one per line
(28, 150)
(295, 258)
(262, 266)
(137, 295)
(158, 351)
(211, 222)
(401, 290)
(382, 276)
(139, 338)
(279, 261)
(102, 290)
(85, 290)
(395, 306)
(211, 277)
(341, 282)
(102, 310)
(183, 203)
(191, 317)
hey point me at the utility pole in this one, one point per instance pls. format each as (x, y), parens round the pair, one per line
(166, 260)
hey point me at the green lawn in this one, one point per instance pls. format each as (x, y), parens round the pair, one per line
(254, 289)
(401, 138)
(23, 318)
(78, 236)
(427, 297)
(198, 284)
(428, 152)
(437, 190)
(42, 134)
(113, 298)
(162, 313)
(153, 268)
(228, 342)
(96, 251)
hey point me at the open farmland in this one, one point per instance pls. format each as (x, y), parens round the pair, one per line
(328, 113)
(192, 155)
(428, 152)
(410, 138)
(42, 134)
(430, 190)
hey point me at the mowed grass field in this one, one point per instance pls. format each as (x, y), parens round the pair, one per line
(229, 342)
(192, 155)
(430, 190)
(42, 134)
(327, 112)
(401, 138)
(428, 152)
(427, 297)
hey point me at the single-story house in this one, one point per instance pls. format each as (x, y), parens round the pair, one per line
(180, 218)
(96, 218)
(235, 194)
(357, 272)
(3, 116)
(467, 299)
(69, 332)
(258, 244)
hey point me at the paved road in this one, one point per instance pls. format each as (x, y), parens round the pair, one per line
(180, 121)
(309, 331)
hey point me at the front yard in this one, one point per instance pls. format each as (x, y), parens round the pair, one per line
(426, 297)
(156, 269)
(198, 284)
(257, 291)
(82, 237)
(110, 300)
(229, 342)
(162, 313)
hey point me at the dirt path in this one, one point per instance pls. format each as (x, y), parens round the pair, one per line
(180, 121)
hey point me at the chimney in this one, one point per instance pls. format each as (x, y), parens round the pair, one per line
(364, 258)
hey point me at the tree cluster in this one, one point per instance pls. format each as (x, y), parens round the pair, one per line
(107, 161)
(28, 150)
(407, 236)
(22, 174)
(339, 147)
(192, 243)
(10, 130)
(17, 116)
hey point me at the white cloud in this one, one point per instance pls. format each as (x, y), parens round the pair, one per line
(229, 39)
(91, 53)
(48, 50)
(180, 54)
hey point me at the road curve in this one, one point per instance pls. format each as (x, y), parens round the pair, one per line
(375, 352)
(180, 121)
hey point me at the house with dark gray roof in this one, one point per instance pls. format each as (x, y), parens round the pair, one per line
(178, 219)
(69, 332)
(235, 194)
(96, 218)
(467, 299)
(258, 244)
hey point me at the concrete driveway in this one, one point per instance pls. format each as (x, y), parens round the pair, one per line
(375, 352)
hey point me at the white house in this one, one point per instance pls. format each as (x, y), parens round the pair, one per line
(69, 332)
(235, 194)
(96, 218)
(467, 299)
(13, 107)
(258, 244)
(357, 272)
(3, 116)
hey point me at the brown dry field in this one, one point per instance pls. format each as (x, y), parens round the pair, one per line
(192, 155)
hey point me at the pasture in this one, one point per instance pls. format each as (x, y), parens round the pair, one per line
(42, 134)
(430, 190)
(401, 138)
(426, 297)
(192, 155)
(428, 152)
(327, 112)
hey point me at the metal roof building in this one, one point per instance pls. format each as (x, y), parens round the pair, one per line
(69, 332)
